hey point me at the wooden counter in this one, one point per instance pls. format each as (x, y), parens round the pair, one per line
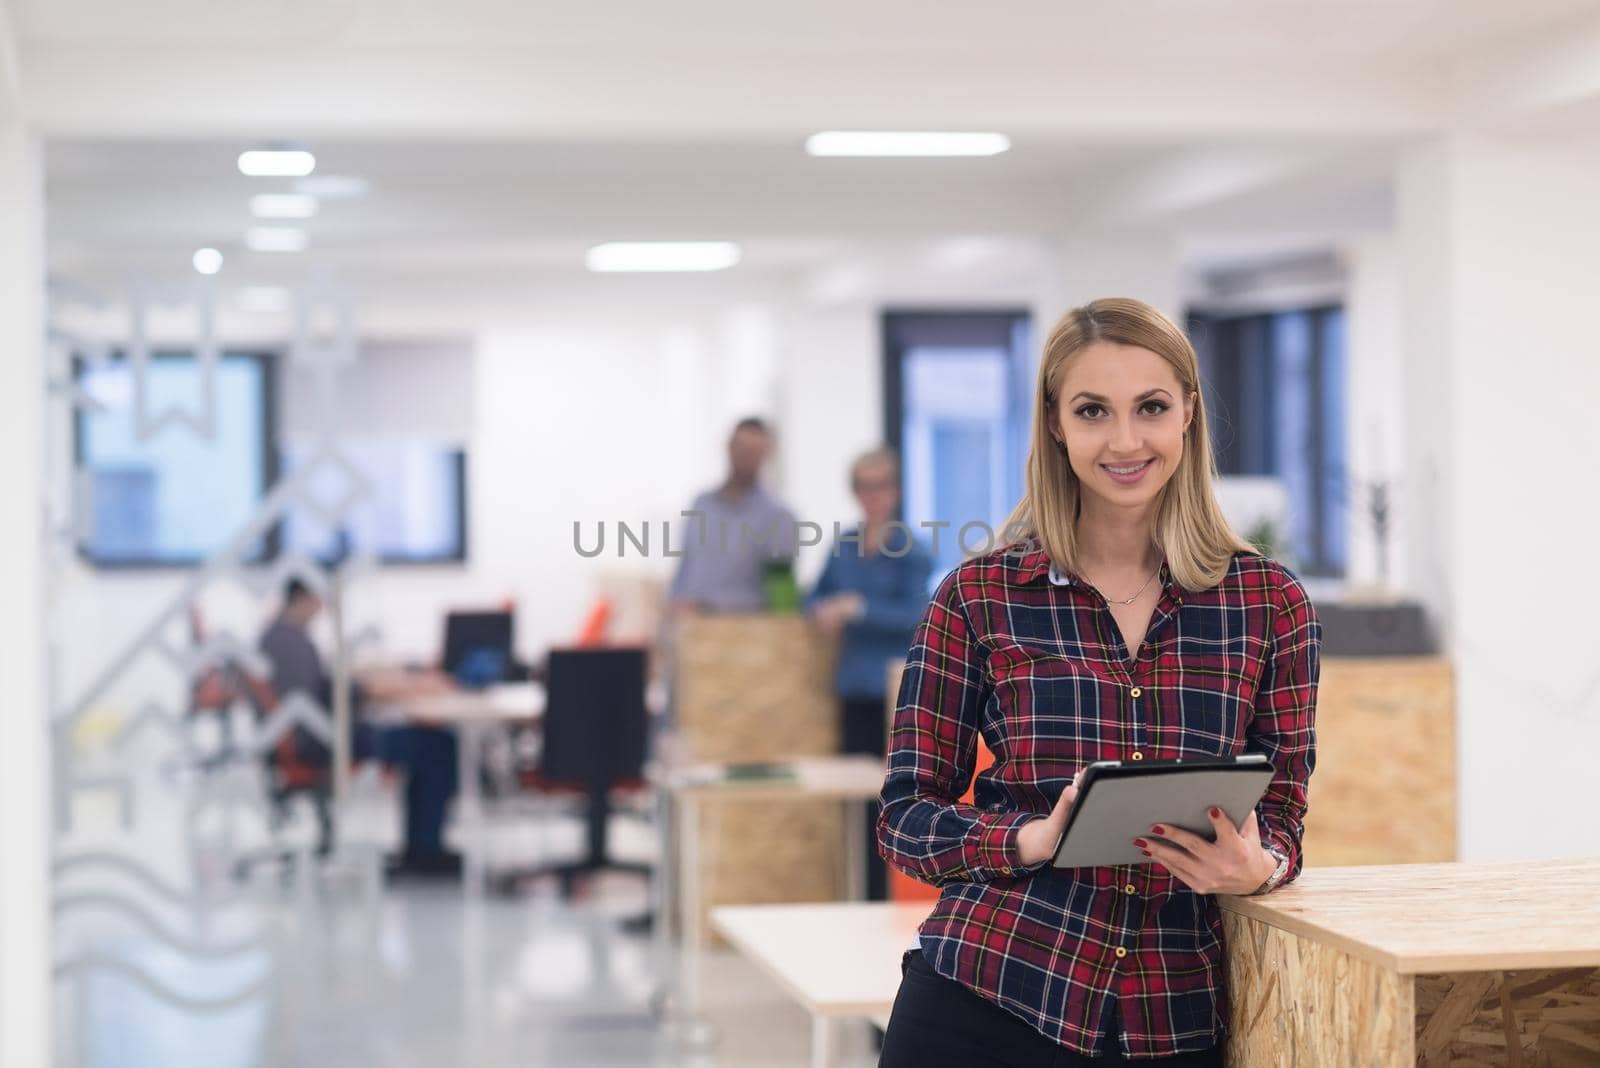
(1429, 964)
(760, 688)
(1386, 743)
(754, 687)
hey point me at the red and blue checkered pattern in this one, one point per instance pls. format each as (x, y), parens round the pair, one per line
(1033, 662)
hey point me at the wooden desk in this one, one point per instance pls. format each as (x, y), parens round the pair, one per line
(849, 781)
(1432, 964)
(837, 960)
(704, 790)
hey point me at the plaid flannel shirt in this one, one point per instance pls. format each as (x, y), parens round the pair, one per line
(1033, 662)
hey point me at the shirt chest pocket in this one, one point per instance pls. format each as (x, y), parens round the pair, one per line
(1206, 716)
(1053, 708)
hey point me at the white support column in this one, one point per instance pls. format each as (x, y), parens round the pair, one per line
(1375, 411)
(25, 981)
(1503, 397)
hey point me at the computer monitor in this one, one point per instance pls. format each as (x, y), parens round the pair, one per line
(470, 634)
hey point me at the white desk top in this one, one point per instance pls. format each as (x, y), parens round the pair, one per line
(835, 959)
(847, 778)
(509, 702)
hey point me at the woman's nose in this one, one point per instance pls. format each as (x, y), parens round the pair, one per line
(1124, 437)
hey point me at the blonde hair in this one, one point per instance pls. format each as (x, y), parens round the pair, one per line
(881, 455)
(1189, 526)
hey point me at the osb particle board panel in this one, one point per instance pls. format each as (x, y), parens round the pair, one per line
(1385, 746)
(1539, 1019)
(752, 687)
(770, 852)
(1420, 919)
(1296, 1001)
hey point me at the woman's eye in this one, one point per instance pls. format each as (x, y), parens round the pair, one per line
(1155, 407)
(1090, 411)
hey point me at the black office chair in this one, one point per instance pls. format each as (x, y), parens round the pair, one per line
(595, 738)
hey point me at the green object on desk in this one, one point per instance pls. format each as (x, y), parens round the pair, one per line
(757, 772)
(783, 592)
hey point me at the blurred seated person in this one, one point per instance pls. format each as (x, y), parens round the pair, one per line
(740, 527)
(426, 754)
(872, 593)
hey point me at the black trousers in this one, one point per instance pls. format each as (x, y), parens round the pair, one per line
(864, 728)
(937, 1022)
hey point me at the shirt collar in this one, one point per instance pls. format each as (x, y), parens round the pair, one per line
(1034, 563)
(1031, 561)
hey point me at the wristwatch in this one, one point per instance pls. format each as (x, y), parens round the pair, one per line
(1277, 873)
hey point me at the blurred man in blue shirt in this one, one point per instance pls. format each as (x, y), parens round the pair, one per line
(739, 528)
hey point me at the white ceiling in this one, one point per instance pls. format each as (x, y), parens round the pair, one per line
(501, 139)
(914, 29)
(711, 69)
(465, 209)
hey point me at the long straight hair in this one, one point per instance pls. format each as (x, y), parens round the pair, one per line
(1189, 527)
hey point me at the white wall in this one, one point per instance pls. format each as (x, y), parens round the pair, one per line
(1503, 386)
(26, 986)
(831, 411)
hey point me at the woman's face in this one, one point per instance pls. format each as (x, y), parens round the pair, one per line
(1121, 412)
(878, 490)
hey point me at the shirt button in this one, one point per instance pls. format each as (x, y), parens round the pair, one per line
(1136, 755)
(1136, 692)
(1121, 952)
(1130, 889)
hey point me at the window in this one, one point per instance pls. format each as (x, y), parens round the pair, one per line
(415, 513)
(956, 403)
(178, 496)
(1275, 385)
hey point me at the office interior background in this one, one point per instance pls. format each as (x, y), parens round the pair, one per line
(410, 376)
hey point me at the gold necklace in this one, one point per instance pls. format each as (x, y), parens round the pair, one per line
(1135, 597)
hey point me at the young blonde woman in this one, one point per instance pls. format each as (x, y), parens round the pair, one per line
(1127, 622)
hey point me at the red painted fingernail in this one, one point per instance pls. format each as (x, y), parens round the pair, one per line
(1158, 829)
(1141, 843)
(1147, 852)
(1216, 813)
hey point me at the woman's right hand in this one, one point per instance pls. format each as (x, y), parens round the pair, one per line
(1037, 839)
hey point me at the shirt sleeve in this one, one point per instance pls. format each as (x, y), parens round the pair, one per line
(1284, 724)
(785, 543)
(898, 612)
(922, 828)
(828, 581)
(688, 540)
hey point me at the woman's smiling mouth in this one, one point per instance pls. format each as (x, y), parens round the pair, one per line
(1127, 474)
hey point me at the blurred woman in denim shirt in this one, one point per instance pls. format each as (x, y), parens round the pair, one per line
(872, 594)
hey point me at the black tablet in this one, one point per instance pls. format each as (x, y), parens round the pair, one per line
(1120, 800)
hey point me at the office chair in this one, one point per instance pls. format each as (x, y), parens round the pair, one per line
(595, 738)
(290, 774)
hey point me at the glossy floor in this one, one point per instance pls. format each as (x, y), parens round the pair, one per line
(340, 970)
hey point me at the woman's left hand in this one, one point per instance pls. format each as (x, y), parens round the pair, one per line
(1234, 864)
